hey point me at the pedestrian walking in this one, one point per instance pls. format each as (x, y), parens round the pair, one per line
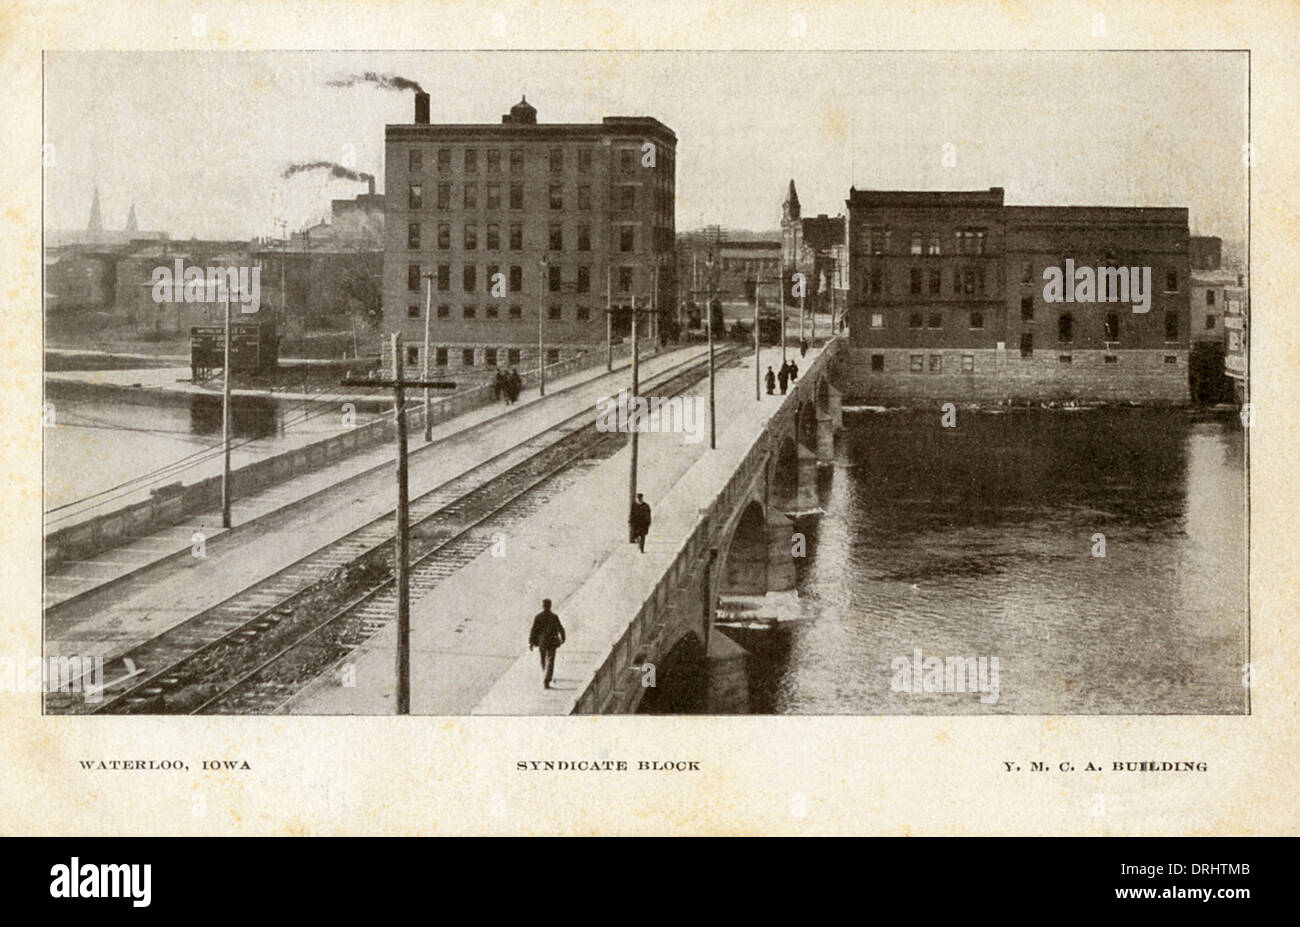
(498, 386)
(794, 371)
(514, 386)
(639, 521)
(803, 346)
(784, 377)
(546, 637)
(770, 379)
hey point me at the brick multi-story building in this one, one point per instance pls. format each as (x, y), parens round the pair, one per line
(947, 300)
(519, 218)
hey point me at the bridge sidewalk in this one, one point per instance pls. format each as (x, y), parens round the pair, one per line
(469, 637)
(286, 522)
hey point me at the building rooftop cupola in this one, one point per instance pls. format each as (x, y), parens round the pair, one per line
(790, 208)
(523, 113)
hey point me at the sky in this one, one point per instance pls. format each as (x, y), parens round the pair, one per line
(198, 140)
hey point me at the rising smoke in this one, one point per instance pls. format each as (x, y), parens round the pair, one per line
(382, 81)
(336, 170)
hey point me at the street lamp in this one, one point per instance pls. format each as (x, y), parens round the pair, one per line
(708, 308)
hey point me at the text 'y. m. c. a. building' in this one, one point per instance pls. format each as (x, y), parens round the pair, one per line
(957, 296)
(490, 225)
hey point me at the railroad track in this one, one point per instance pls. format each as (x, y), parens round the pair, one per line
(232, 657)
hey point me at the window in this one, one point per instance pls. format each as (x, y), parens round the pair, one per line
(1209, 297)
(516, 278)
(413, 312)
(584, 237)
(916, 243)
(1027, 344)
(878, 320)
(627, 160)
(877, 281)
(516, 237)
(471, 196)
(444, 160)
(415, 199)
(935, 320)
(516, 160)
(1171, 358)
(490, 311)
(413, 236)
(444, 196)
(556, 239)
(936, 281)
(977, 320)
(553, 278)
(494, 196)
(1111, 359)
(934, 243)
(440, 357)
(627, 198)
(583, 314)
(512, 356)
(444, 276)
(490, 357)
(516, 312)
(1027, 272)
(584, 196)
(469, 278)
(413, 277)
(916, 362)
(494, 161)
(1171, 281)
(557, 196)
(516, 196)
(1026, 308)
(1065, 327)
(444, 236)
(467, 357)
(412, 355)
(444, 311)
(625, 279)
(584, 160)
(469, 312)
(471, 160)
(471, 236)
(968, 363)
(936, 363)
(877, 362)
(970, 241)
(493, 237)
(1171, 326)
(555, 313)
(493, 271)
(1112, 327)
(916, 320)
(1065, 359)
(916, 281)
(557, 160)
(626, 237)
(879, 240)
(416, 162)
(584, 279)
(552, 355)
(1211, 321)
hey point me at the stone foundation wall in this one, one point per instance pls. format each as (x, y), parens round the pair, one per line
(982, 375)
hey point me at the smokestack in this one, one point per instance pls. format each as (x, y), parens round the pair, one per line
(421, 108)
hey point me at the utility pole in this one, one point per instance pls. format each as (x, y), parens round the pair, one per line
(636, 370)
(401, 537)
(801, 301)
(758, 393)
(782, 318)
(225, 423)
(541, 344)
(609, 323)
(428, 400)
(713, 406)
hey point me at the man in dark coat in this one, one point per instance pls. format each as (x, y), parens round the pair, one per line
(547, 635)
(639, 521)
(771, 381)
(803, 347)
(794, 371)
(784, 377)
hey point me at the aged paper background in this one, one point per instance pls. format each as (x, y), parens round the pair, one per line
(895, 775)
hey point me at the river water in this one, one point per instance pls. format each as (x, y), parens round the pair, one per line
(984, 541)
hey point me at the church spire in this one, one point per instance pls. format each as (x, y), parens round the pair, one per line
(790, 207)
(96, 225)
(130, 220)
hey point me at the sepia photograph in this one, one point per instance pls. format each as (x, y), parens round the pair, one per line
(646, 382)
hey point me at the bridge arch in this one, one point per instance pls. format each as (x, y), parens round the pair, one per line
(806, 424)
(744, 560)
(680, 680)
(823, 396)
(783, 472)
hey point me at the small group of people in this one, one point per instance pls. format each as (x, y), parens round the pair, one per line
(507, 385)
(789, 373)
